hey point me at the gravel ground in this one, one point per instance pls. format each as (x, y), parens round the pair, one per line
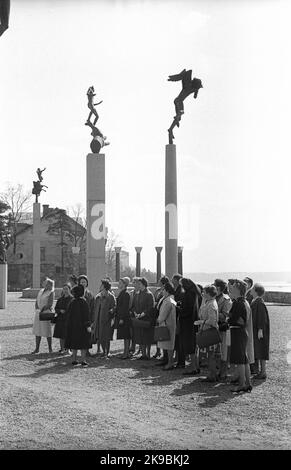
(115, 404)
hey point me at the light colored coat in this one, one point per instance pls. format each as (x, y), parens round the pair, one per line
(167, 316)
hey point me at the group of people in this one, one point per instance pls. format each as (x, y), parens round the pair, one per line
(235, 309)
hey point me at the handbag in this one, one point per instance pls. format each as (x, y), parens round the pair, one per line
(136, 323)
(46, 316)
(162, 333)
(208, 337)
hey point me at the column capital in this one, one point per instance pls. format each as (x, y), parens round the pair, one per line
(138, 249)
(180, 249)
(158, 249)
(117, 249)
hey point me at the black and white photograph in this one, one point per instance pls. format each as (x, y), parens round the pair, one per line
(145, 267)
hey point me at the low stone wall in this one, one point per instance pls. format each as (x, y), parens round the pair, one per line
(278, 297)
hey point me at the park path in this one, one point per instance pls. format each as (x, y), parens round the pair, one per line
(115, 404)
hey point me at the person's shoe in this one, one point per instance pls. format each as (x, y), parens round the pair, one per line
(248, 388)
(36, 351)
(157, 355)
(109, 355)
(143, 358)
(75, 363)
(168, 367)
(192, 372)
(234, 381)
(84, 364)
(238, 389)
(180, 366)
(209, 379)
(260, 376)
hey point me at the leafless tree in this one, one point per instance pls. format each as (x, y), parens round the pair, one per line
(19, 201)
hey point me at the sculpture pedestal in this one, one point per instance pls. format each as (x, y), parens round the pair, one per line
(3, 285)
(36, 246)
(171, 216)
(95, 220)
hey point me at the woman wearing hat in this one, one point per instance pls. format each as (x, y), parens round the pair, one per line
(78, 330)
(122, 315)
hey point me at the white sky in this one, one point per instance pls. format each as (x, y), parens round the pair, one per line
(233, 146)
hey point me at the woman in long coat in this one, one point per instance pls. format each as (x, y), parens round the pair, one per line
(123, 321)
(188, 314)
(89, 297)
(78, 323)
(167, 317)
(261, 329)
(238, 317)
(61, 310)
(44, 303)
(143, 309)
(103, 325)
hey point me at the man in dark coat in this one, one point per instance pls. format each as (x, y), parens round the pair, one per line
(178, 296)
(143, 309)
(261, 330)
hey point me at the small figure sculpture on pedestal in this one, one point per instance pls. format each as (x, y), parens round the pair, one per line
(99, 140)
(189, 86)
(37, 186)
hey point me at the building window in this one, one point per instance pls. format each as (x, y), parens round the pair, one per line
(42, 254)
(19, 255)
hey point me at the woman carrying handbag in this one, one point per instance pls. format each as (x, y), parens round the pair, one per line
(43, 304)
(208, 315)
(167, 317)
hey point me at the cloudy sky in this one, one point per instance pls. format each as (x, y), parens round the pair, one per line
(233, 146)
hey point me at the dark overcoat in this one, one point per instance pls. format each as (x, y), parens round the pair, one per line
(144, 301)
(188, 313)
(261, 321)
(60, 323)
(122, 313)
(78, 320)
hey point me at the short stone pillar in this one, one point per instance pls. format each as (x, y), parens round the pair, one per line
(3, 285)
(159, 262)
(138, 265)
(180, 260)
(117, 262)
(36, 246)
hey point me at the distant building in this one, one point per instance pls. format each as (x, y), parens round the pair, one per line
(60, 235)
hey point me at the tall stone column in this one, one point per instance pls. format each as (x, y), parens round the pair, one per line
(36, 246)
(180, 260)
(138, 265)
(117, 262)
(159, 262)
(171, 218)
(96, 233)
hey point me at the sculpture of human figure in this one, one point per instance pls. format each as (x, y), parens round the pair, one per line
(39, 174)
(91, 93)
(37, 189)
(99, 140)
(4, 15)
(189, 86)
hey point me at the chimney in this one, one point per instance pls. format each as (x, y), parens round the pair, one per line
(45, 209)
